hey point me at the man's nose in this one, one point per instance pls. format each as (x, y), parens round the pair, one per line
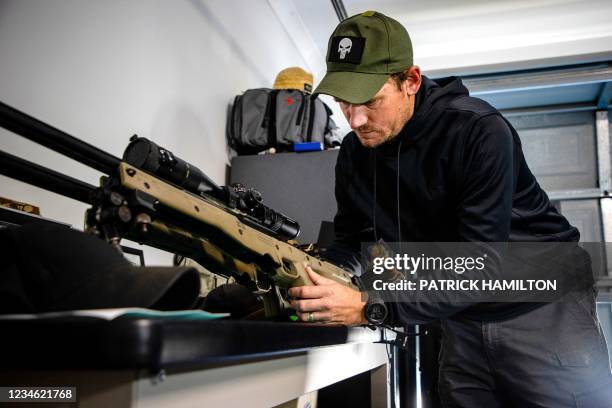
(357, 116)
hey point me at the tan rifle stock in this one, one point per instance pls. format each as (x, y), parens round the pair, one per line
(284, 263)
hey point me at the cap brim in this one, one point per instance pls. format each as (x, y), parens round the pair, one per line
(352, 87)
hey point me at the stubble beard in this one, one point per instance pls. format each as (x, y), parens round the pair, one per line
(403, 117)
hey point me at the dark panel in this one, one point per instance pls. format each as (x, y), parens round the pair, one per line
(354, 392)
(300, 185)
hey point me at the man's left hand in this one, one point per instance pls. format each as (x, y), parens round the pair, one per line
(327, 301)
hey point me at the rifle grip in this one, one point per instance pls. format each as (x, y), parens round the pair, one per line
(303, 277)
(294, 274)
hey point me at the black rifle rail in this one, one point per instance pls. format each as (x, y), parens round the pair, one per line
(39, 176)
(57, 140)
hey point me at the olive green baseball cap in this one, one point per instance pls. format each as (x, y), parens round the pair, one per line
(361, 54)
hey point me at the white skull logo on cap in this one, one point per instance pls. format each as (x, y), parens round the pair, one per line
(344, 47)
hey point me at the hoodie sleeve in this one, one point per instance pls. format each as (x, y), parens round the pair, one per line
(487, 183)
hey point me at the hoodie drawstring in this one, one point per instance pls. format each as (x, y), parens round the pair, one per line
(399, 225)
(374, 209)
(397, 192)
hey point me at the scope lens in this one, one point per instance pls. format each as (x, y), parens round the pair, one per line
(147, 155)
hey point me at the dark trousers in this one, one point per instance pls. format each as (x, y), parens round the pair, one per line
(554, 356)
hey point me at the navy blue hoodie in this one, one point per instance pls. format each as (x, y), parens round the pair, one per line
(455, 173)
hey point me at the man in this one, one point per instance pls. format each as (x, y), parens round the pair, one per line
(428, 163)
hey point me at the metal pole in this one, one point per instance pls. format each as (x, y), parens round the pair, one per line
(61, 142)
(407, 371)
(339, 9)
(603, 151)
(604, 167)
(45, 178)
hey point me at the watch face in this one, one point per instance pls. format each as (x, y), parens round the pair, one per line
(376, 313)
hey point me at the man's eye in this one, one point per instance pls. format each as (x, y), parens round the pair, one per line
(371, 104)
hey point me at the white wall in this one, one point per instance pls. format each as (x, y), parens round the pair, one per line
(104, 70)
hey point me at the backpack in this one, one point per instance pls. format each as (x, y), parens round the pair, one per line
(263, 118)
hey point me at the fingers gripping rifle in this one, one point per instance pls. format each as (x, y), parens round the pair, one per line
(155, 198)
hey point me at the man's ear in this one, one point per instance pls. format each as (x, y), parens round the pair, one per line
(413, 80)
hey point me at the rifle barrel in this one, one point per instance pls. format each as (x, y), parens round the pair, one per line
(57, 140)
(45, 178)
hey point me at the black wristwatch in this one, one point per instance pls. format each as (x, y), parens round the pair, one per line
(375, 309)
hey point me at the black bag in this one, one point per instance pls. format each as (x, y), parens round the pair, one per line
(263, 118)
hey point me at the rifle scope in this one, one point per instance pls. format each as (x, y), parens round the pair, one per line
(147, 155)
